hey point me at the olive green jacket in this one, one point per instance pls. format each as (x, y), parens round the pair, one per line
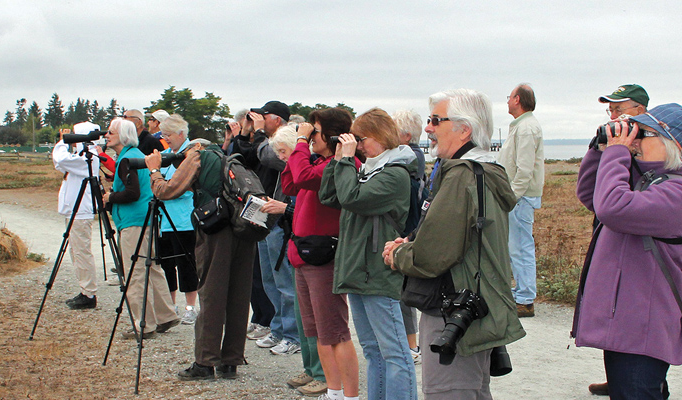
(448, 240)
(359, 266)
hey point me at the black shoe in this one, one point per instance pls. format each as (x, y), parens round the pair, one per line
(196, 372)
(161, 328)
(226, 371)
(82, 302)
(74, 298)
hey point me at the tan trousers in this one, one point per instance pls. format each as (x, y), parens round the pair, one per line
(159, 304)
(81, 255)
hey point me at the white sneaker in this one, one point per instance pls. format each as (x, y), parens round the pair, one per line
(190, 316)
(250, 327)
(416, 355)
(285, 348)
(324, 396)
(259, 332)
(267, 342)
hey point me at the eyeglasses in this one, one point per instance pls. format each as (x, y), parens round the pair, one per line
(618, 110)
(435, 121)
(129, 116)
(649, 133)
(151, 119)
(166, 135)
(662, 125)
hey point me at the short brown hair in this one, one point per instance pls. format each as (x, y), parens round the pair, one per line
(526, 97)
(333, 121)
(377, 124)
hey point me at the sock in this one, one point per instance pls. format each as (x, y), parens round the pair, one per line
(335, 394)
(89, 296)
(351, 398)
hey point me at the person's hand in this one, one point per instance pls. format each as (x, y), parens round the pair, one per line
(62, 132)
(105, 198)
(348, 144)
(235, 128)
(622, 135)
(274, 207)
(389, 247)
(98, 149)
(305, 129)
(153, 160)
(258, 120)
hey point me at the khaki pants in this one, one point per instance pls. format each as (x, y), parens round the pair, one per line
(81, 255)
(159, 304)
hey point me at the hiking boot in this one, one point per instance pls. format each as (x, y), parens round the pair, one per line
(196, 372)
(190, 316)
(82, 302)
(258, 332)
(525, 310)
(600, 389)
(130, 334)
(226, 371)
(267, 342)
(285, 348)
(416, 355)
(300, 380)
(161, 328)
(314, 388)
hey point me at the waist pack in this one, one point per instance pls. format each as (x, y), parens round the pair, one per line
(316, 249)
(213, 216)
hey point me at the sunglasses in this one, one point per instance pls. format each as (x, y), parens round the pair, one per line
(129, 117)
(435, 121)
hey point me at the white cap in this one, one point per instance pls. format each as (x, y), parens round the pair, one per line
(84, 128)
(160, 115)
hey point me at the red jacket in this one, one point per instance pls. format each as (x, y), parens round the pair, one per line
(302, 179)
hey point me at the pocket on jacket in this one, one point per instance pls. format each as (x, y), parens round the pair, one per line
(615, 288)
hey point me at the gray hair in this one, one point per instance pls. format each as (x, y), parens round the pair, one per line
(673, 154)
(240, 115)
(203, 142)
(470, 108)
(127, 132)
(175, 124)
(296, 119)
(409, 123)
(285, 136)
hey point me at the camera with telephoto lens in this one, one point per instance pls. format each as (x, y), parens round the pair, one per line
(70, 138)
(459, 310)
(602, 137)
(166, 160)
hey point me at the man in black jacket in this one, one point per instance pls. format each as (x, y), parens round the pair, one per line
(147, 142)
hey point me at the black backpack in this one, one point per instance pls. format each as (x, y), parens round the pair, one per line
(418, 193)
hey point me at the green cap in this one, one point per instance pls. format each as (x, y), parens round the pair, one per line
(635, 93)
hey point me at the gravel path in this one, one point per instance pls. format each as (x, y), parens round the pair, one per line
(546, 363)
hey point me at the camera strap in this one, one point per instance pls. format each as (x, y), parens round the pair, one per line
(480, 220)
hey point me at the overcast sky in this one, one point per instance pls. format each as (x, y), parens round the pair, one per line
(390, 54)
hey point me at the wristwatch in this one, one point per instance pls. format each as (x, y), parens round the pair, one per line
(302, 137)
(153, 170)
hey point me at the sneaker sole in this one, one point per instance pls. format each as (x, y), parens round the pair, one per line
(287, 353)
(196, 378)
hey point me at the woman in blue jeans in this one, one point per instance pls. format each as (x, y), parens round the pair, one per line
(373, 201)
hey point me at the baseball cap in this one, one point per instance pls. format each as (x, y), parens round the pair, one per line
(159, 115)
(665, 119)
(84, 128)
(623, 93)
(274, 107)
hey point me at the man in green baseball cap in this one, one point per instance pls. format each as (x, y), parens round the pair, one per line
(626, 99)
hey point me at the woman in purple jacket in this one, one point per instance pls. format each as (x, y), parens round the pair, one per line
(625, 305)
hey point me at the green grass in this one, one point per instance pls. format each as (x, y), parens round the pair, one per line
(16, 182)
(558, 279)
(37, 257)
(564, 173)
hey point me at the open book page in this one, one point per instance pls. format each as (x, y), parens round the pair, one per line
(252, 211)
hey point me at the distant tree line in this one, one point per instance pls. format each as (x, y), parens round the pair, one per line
(206, 116)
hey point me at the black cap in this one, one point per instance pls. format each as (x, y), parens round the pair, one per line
(274, 107)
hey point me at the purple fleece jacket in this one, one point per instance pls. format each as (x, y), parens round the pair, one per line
(627, 305)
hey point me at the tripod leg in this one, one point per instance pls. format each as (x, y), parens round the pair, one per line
(60, 254)
(101, 242)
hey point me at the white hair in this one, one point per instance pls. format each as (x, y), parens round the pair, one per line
(296, 119)
(471, 108)
(127, 132)
(409, 123)
(285, 136)
(175, 124)
(673, 154)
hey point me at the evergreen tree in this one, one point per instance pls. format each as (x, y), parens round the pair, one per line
(21, 115)
(54, 115)
(36, 114)
(9, 119)
(98, 115)
(111, 112)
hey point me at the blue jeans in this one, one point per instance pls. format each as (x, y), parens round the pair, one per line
(522, 248)
(633, 376)
(278, 285)
(390, 368)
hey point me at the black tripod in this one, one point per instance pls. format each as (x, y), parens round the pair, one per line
(153, 215)
(104, 223)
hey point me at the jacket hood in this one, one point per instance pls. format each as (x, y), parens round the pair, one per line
(495, 177)
(401, 155)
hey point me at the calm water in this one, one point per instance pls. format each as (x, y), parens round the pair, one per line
(557, 152)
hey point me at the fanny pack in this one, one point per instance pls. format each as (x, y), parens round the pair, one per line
(213, 216)
(316, 249)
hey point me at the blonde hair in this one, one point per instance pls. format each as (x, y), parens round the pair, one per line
(377, 124)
